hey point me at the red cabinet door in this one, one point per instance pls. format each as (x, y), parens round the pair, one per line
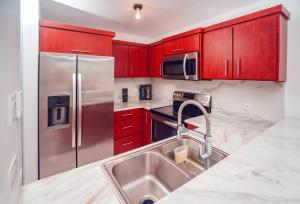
(146, 127)
(57, 40)
(255, 49)
(181, 45)
(155, 61)
(138, 60)
(66, 41)
(120, 52)
(93, 44)
(217, 54)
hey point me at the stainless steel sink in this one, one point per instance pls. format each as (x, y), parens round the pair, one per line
(148, 175)
(151, 173)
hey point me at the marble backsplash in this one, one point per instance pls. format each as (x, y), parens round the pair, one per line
(260, 99)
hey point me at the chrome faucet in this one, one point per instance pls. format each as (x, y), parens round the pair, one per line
(207, 137)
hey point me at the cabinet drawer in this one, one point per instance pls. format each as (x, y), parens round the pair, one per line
(127, 143)
(128, 114)
(127, 127)
(181, 45)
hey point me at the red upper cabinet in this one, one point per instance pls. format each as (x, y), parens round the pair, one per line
(138, 61)
(217, 54)
(120, 52)
(252, 47)
(62, 38)
(184, 44)
(255, 49)
(155, 60)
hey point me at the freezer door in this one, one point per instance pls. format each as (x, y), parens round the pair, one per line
(57, 99)
(95, 108)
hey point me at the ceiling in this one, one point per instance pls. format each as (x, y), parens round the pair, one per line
(158, 17)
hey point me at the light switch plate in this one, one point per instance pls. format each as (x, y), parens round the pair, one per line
(14, 106)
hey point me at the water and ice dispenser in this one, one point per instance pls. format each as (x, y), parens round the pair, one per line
(58, 110)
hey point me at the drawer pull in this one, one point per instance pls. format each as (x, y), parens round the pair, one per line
(177, 50)
(128, 143)
(127, 127)
(82, 51)
(226, 68)
(129, 114)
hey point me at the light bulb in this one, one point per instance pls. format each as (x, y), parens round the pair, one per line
(138, 14)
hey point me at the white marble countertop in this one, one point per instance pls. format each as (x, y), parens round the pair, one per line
(266, 170)
(147, 104)
(231, 131)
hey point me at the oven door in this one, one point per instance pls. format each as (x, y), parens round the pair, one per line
(162, 128)
(181, 66)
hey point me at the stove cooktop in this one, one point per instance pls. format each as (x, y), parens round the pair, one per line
(168, 112)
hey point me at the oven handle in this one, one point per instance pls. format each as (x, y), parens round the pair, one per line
(184, 66)
(164, 121)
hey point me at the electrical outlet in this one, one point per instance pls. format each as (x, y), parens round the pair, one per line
(13, 172)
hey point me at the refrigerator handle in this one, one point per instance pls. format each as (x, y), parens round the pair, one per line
(79, 112)
(73, 110)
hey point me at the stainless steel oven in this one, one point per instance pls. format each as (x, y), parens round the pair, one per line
(181, 66)
(162, 127)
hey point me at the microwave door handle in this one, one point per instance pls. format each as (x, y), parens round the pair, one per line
(184, 66)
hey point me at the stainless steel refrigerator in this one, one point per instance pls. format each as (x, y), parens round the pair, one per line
(75, 111)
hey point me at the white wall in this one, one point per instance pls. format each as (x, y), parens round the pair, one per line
(10, 136)
(30, 42)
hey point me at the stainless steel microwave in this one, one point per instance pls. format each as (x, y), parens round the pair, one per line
(181, 66)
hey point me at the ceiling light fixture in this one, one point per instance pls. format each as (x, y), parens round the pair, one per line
(138, 8)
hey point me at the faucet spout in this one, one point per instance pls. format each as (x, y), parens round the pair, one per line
(181, 129)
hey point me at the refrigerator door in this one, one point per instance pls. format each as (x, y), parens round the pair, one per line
(57, 106)
(95, 108)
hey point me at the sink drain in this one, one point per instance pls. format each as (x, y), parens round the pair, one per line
(148, 200)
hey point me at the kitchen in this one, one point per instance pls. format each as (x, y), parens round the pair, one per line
(77, 133)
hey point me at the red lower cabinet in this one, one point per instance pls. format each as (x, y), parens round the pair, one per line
(127, 130)
(132, 129)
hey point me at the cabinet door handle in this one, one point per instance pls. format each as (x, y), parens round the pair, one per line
(125, 70)
(146, 118)
(226, 68)
(82, 51)
(238, 67)
(177, 50)
(129, 114)
(127, 127)
(127, 143)
(131, 71)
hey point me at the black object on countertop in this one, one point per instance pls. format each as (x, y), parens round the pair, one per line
(124, 94)
(145, 92)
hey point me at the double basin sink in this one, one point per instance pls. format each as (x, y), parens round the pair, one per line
(145, 176)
